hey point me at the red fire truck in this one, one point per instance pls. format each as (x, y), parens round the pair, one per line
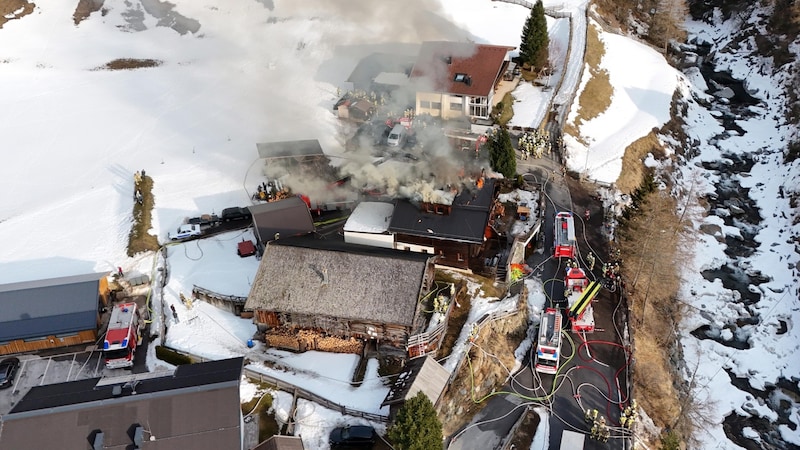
(548, 351)
(122, 337)
(579, 293)
(564, 239)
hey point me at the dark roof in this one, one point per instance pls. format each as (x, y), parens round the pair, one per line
(372, 65)
(421, 374)
(281, 443)
(282, 149)
(33, 309)
(466, 221)
(166, 407)
(333, 278)
(289, 217)
(440, 61)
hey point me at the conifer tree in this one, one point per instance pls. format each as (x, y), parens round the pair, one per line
(502, 158)
(416, 426)
(533, 49)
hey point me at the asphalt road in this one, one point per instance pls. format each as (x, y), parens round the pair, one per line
(595, 376)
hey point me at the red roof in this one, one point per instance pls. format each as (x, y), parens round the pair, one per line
(477, 66)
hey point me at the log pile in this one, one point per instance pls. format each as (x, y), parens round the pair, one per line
(302, 340)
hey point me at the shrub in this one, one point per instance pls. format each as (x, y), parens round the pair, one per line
(171, 356)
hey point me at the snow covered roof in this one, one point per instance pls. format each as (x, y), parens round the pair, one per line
(420, 375)
(370, 217)
(330, 278)
(392, 78)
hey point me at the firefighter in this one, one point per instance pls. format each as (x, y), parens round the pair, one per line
(590, 261)
(587, 415)
(623, 421)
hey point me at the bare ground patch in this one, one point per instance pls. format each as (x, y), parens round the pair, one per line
(85, 8)
(140, 239)
(485, 369)
(632, 173)
(130, 64)
(14, 9)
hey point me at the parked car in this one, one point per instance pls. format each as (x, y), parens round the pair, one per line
(397, 137)
(235, 213)
(8, 369)
(206, 219)
(360, 436)
(185, 231)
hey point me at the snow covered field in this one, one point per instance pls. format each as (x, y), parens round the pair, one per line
(264, 71)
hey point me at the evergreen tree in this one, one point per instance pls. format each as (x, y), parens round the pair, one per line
(502, 158)
(533, 48)
(416, 426)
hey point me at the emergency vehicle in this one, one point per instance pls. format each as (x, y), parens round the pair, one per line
(579, 293)
(564, 240)
(548, 351)
(122, 336)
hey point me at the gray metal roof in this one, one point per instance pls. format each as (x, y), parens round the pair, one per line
(339, 280)
(37, 308)
(283, 149)
(289, 217)
(197, 407)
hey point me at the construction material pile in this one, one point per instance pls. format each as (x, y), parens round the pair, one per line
(303, 340)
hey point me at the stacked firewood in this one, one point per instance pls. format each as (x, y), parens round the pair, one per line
(281, 341)
(339, 345)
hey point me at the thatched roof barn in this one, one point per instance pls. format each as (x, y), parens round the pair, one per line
(340, 289)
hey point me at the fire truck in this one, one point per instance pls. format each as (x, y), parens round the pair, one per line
(548, 351)
(579, 293)
(564, 240)
(122, 337)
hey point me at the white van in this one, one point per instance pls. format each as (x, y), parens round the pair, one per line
(397, 137)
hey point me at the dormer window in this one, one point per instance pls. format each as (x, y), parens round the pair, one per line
(462, 77)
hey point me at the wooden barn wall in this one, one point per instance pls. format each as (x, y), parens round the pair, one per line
(450, 253)
(335, 326)
(21, 346)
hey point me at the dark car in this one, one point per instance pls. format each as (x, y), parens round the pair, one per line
(8, 369)
(235, 213)
(359, 436)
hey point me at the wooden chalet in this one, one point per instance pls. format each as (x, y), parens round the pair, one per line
(454, 233)
(332, 296)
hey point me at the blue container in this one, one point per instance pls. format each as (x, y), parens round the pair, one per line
(250, 343)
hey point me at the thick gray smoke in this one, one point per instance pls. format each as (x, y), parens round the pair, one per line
(430, 171)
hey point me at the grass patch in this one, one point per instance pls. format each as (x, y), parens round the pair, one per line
(650, 238)
(504, 110)
(487, 368)
(140, 240)
(633, 171)
(596, 95)
(259, 406)
(14, 9)
(85, 8)
(130, 64)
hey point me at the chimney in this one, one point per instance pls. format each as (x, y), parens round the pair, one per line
(448, 60)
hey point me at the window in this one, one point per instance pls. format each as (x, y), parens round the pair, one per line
(455, 106)
(479, 107)
(460, 77)
(460, 257)
(424, 104)
(436, 105)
